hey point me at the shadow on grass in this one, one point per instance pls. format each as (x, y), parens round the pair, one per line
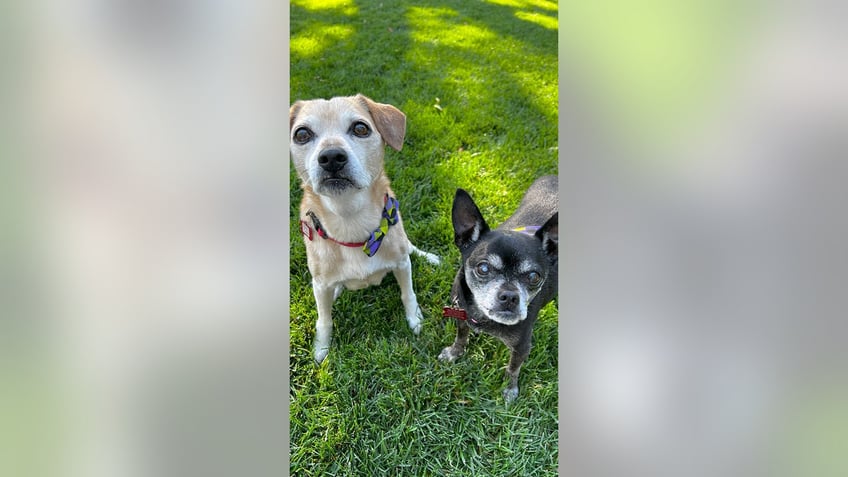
(477, 80)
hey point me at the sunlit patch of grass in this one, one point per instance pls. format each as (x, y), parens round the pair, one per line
(428, 26)
(497, 99)
(318, 37)
(345, 7)
(543, 4)
(551, 23)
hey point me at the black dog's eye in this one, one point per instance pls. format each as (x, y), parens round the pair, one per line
(303, 135)
(534, 278)
(482, 269)
(360, 129)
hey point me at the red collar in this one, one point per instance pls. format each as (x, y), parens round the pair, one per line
(389, 217)
(458, 313)
(306, 230)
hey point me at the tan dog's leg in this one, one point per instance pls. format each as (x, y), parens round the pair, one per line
(324, 326)
(403, 275)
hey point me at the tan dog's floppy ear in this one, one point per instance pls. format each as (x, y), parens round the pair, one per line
(293, 110)
(390, 121)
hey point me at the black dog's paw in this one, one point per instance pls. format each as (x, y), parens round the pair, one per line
(449, 354)
(510, 394)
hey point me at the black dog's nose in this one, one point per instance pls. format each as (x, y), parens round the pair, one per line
(332, 160)
(507, 299)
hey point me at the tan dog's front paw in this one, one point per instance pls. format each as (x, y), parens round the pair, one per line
(320, 354)
(415, 321)
(322, 347)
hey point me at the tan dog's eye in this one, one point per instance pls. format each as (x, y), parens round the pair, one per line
(360, 129)
(303, 135)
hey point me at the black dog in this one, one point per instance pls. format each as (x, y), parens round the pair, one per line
(507, 274)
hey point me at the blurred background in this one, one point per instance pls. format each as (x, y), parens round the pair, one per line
(703, 310)
(144, 241)
(147, 243)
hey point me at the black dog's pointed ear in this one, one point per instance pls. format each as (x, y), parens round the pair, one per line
(549, 235)
(468, 223)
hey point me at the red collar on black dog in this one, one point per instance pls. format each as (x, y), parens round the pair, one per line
(458, 313)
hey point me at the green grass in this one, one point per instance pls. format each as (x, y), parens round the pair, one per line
(478, 82)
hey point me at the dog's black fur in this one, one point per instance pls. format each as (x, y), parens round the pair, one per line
(497, 270)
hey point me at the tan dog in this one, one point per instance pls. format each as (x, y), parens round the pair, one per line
(349, 217)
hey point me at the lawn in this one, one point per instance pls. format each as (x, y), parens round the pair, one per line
(478, 83)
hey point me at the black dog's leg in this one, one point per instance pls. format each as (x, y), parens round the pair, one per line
(517, 356)
(458, 347)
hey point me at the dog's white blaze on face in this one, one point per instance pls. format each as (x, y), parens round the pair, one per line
(495, 261)
(526, 266)
(335, 138)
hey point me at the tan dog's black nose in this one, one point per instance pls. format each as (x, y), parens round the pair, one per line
(332, 160)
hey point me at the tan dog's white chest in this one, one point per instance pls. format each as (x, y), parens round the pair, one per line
(332, 264)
